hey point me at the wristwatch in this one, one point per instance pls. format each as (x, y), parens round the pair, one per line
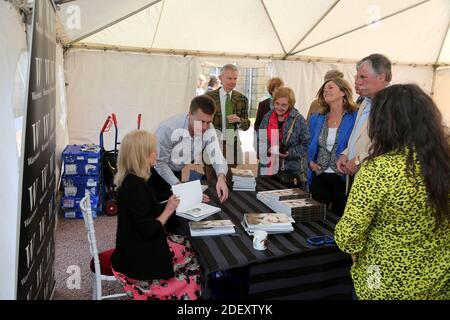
(357, 160)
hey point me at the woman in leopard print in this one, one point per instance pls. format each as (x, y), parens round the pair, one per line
(397, 222)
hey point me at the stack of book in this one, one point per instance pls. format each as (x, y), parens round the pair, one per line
(243, 180)
(295, 203)
(211, 228)
(284, 194)
(273, 223)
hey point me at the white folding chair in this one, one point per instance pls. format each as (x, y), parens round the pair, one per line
(98, 277)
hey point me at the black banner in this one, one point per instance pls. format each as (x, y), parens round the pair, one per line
(36, 277)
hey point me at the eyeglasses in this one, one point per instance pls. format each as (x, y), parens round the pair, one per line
(276, 104)
(320, 241)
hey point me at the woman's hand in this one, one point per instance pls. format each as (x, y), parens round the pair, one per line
(314, 166)
(172, 203)
(284, 155)
(171, 206)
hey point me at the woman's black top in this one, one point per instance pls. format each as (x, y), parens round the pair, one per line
(142, 252)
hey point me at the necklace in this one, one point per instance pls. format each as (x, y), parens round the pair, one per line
(335, 122)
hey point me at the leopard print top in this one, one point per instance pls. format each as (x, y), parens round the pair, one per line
(389, 226)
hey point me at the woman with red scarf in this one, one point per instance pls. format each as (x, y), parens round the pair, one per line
(286, 128)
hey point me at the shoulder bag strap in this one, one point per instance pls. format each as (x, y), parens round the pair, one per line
(288, 137)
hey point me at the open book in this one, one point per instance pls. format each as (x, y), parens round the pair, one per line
(211, 227)
(191, 206)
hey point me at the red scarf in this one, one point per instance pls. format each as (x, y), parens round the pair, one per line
(273, 125)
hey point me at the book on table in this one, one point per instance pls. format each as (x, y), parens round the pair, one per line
(191, 206)
(275, 222)
(251, 232)
(243, 179)
(285, 194)
(239, 174)
(211, 227)
(303, 210)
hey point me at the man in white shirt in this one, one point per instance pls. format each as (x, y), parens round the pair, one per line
(373, 75)
(182, 140)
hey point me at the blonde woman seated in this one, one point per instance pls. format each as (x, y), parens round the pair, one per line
(150, 263)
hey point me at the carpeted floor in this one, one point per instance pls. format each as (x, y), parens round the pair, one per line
(72, 250)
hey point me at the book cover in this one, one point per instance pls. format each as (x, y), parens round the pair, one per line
(273, 230)
(242, 173)
(209, 224)
(267, 220)
(211, 228)
(286, 194)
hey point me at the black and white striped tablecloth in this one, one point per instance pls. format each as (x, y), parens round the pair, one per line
(290, 268)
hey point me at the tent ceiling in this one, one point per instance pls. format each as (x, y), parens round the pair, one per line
(410, 31)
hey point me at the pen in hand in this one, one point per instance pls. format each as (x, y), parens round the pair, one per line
(167, 200)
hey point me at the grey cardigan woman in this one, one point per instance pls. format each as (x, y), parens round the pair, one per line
(278, 122)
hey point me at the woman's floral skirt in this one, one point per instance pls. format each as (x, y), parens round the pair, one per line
(185, 285)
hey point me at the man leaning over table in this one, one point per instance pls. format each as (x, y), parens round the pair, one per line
(182, 140)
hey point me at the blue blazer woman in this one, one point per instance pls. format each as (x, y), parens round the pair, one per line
(316, 122)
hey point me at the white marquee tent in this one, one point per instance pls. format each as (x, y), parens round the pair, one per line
(143, 56)
(267, 28)
(298, 40)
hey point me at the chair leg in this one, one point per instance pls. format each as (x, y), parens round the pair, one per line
(99, 290)
(94, 288)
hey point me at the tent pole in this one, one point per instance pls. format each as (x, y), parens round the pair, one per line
(116, 21)
(273, 25)
(433, 82)
(435, 66)
(312, 28)
(442, 44)
(237, 55)
(157, 25)
(361, 27)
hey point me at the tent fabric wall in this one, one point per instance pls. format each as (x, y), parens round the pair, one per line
(442, 93)
(305, 78)
(13, 83)
(100, 83)
(158, 86)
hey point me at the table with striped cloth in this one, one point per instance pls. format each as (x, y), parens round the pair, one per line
(290, 268)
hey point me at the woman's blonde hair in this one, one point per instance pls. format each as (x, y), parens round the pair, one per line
(284, 92)
(343, 85)
(134, 153)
